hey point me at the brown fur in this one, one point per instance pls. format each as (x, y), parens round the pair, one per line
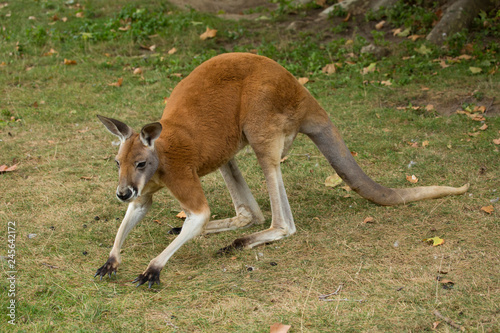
(226, 103)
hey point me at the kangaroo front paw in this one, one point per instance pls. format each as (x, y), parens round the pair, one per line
(109, 267)
(151, 275)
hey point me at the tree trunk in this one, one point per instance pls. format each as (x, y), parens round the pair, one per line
(458, 16)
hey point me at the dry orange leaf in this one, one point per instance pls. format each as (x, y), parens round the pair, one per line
(415, 37)
(496, 141)
(80, 15)
(3, 64)
(4, 168)
(303, 80)
(181, 215)
(117, 83)
(369, 219)
(429, 107)
(443, 64)
(209, 33)
(412, 179)
(483, 128)
(488, 209)
(329, 69)
(280, 328)
(380, 25)
(69, 62)
(425, 143)
(386, 83)
(172, 50)
(51, 52)
(138, 71)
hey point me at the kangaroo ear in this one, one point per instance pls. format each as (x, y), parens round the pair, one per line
(121, 130)
(149, 133)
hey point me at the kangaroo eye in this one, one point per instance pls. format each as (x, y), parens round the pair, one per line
(141, 165)
(117, 164)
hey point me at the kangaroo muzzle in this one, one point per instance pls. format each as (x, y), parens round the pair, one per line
(125, 194)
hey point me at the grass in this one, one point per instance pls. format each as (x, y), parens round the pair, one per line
(63, 189)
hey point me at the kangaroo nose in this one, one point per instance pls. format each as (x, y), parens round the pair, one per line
(124, 196)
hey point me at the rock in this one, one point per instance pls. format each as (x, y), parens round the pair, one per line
(378, 51)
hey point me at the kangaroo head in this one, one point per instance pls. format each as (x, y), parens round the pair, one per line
(137, 159)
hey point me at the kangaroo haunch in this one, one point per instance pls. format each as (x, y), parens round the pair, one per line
(228, 102)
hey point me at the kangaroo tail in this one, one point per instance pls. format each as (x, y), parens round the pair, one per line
(330, 143)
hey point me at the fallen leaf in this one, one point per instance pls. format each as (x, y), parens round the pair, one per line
(353, 153)
(380, 25)
(283, 159)
(125, 28)
(476, 117)
(32, 18)
(3, 64)
(149, 48)
(488, 209)
(369, 69)
(473, 134)
(496, 141)
(436, 241)
(64, 19)
(423, 50)
(303, 80)
(181, 215)
(386, 83)
(479, 109)
(209, 33)
(346, 188)
(4, 168)
(443, 64)
(279, 328)
(425, 143)
(429, 107)
(464, 57)
(415, 37)
(347, 17)
(172, 50)
(329, 69)
(80, 15)
(86, 178)
(69, 62)
(51, 52)
(369, 219)
(117, 83)
(157, 221)
(475, 70)
(435, 324)
(403, 33)
(138, 71)
(412, 179)
(333, 181)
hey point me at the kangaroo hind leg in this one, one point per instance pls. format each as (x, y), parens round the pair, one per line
(282, 224)
(247, 209)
